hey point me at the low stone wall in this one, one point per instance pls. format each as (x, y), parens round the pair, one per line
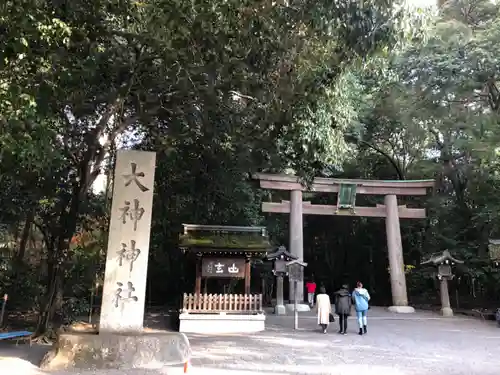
(221, 323)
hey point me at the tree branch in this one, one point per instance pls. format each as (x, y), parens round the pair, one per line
(391, 160)
(436, 137)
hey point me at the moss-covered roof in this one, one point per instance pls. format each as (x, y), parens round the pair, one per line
(222, 237)
(225, 241)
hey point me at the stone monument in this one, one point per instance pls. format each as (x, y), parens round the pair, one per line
(124, 288)
(121, 341)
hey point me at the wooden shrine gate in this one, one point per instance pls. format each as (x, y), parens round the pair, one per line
(346, 191)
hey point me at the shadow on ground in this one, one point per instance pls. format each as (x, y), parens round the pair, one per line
(32, 354)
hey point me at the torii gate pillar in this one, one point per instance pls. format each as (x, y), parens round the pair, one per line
(396, 261)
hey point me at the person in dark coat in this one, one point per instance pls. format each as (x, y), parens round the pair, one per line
(343, 307)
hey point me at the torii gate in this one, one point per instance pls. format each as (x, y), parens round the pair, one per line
(347, 190)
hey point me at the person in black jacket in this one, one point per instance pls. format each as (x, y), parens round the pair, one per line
(343, 307)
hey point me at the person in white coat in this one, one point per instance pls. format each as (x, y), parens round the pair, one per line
(324, 308)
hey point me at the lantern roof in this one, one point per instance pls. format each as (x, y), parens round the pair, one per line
(296, 262)
(441, 258)
(281, 253)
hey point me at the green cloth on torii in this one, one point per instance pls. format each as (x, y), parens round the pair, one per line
(347, 196)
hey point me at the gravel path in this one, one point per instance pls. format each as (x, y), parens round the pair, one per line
(417, 344)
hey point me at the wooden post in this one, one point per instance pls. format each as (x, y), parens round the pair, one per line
(197, 287)
(4, 303)
(295, 312)
(247, 276)
(296, 239)
(91, 308)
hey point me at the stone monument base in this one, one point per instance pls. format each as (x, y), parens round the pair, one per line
(221, 323)
(91, 351)
(401, 309)
(301, 307)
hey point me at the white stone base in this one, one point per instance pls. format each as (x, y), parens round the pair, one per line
(221, 323)
(280, 310)
(447, 311)
(301, 307)
(401, 309)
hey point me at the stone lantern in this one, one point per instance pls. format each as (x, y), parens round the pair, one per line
(280, 258)
(494, 250)
(443, 261)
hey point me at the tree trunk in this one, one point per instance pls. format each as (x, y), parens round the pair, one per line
(58, 253)
(19, 257)
(18, 267)
(46, 308)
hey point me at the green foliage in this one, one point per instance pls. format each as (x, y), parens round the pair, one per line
(21, 284)
(74, 308)
(30, 34)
